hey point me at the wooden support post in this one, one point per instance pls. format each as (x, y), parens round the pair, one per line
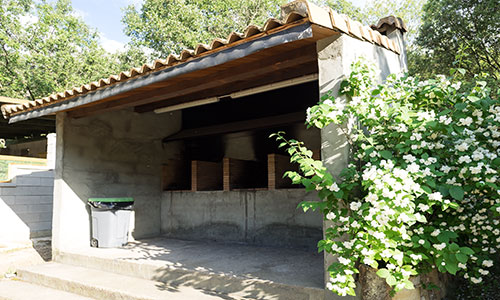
(206, 176)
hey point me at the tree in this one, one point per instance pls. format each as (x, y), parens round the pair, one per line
(459, 33)
(45, 48)
(170, 26)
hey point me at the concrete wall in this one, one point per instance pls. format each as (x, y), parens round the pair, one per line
(268, 218)
(113, 154)
(335, 55)
(26, 204)
(31, 149)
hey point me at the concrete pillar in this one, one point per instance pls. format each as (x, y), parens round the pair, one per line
(51, 150)
(334, 145)
(335, 56)
(70, 221)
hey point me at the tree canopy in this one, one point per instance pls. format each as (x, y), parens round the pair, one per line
(170, 26)
(46, 48)
(459, 33)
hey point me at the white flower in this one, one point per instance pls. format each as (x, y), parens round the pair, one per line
(439, 246)
(464, 159)
(355, 205)
(423, 207)
(409, 158)
(462, 266)
(445, 120)
(421, 242)
(416, 257)
(328, 102)
(344, 261)
(445, 169)
(405, 273)
(398, 256)
(348, 245)
(462, 147)
(465, 122)
(483, 272)
(475, 170)
(334, 187)
(488, 263)
(330, 216)
(413, 168)
(436, 196)
(436, 232)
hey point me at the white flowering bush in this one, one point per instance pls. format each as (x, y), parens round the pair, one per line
(422, 189)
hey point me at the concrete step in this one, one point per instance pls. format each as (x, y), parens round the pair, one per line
(108, 286)
(13, 258)
(231, 269)
(19, 290)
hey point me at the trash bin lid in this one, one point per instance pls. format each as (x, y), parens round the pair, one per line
(124, 199)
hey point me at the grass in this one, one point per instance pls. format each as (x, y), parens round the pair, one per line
(4, 167)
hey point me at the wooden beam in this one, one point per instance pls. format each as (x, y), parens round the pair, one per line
(242, 72)
(260, 123)
(299, 70)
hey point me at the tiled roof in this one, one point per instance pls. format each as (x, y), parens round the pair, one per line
(295, 12)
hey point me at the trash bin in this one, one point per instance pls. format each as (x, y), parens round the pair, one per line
(110, 221)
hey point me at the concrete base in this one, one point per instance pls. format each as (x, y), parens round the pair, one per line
(238, 271)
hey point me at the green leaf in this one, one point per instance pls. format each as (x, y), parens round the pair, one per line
(466, 250)
(460, 106)
(443, 190)
(443, 238)
(409, 285)
(496, 162)
(386, 154)
(461, 257)
(451, 268)
(383, 273)
(426, 189)
(457, 192)
(454, 247)
(391, 280)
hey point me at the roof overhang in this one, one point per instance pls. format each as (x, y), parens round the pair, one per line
(276, 52)
(295, 33)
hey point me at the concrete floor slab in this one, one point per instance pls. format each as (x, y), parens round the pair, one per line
(280, 265)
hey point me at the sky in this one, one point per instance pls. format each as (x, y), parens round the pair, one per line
(105, 16)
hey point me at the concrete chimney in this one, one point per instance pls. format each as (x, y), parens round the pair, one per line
(394, 28)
